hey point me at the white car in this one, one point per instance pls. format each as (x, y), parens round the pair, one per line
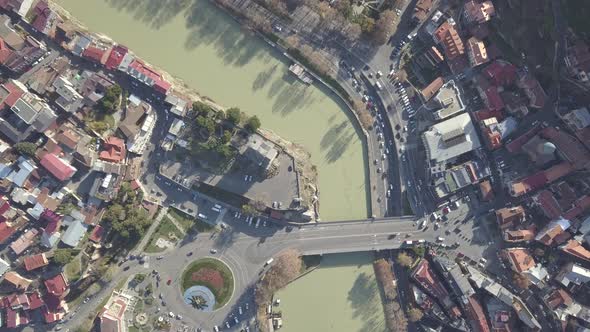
(388, 193)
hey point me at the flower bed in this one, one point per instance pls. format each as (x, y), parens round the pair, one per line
(213, 274)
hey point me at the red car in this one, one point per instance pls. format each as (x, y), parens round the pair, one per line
(169, 282)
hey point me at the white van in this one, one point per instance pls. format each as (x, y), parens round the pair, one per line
(378, 85)
(217, 206)
(202, 216)
(215, 209)
(268, 262)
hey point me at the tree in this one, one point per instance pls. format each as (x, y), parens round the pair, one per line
(112, 99)
(206, 123)
(521, 281)
(253, 124)
(139, 278)
(62, 256)
(249, 210)
(220, 115)
(384, 27)
(114, 213)
(415, 314)
(25, 148)
(226, 138)
(234, 115)
(404, 259)
(419, 250)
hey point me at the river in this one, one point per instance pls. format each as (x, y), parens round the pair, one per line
(195, 41)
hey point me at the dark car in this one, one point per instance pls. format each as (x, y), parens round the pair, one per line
(126, 268)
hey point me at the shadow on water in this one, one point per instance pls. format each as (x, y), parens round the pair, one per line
(263, 78)
(365, 301)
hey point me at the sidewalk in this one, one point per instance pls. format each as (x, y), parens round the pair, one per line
(139, 248)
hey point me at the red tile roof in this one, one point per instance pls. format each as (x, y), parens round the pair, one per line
(117, 54)
(147, 73)
(43, 13)
(96, 235)
(500, 73)
(114, 150)
(557, 298)
(58, 167)
(569, 146)
(452, 43)
(508, 217)
(35, 300)
(5, 51)
(35, 262)
(487, 192)
(580, 206)
(548, 204)
(94, 53)
(574, 248)
(516, 144)
(492, 99)
(476, 316)
(13, 93)
(520, 259)
(57, 285)
(533, 90)
(24, 241)
(488, 114)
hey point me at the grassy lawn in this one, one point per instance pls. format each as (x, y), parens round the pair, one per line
(73, 269)
(222, 295)
(164, 230)
(188, 222)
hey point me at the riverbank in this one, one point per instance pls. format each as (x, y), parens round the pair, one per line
(307, 172)
(229, 64)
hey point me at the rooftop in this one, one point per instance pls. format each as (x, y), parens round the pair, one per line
(520, 259)
(58, 167)
(452, 43)
(448, 99)
(35, 261)
(57, 285)
(113, 150)
(451, 138)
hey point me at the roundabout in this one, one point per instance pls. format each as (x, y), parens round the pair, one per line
(207, 284)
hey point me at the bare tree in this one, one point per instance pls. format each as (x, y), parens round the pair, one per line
(404, 259)
(384, 27)
(292, 41)
(415, 314)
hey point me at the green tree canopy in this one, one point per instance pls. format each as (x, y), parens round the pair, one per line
(110, 102)
(253, 124)
(234, 115)
(25, 148)
(62, 256)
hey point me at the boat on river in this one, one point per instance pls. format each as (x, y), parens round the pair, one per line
(301, 73)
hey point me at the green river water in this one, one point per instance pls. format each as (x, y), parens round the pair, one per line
(341, 295)
(193, 40)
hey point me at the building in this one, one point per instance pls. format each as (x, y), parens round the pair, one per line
(44, 18)
(573, 273)
(112, 316)
(17, 281)
(576, 249)
(35, 262)
(260, 151)
(432, 88)
(447, 140)
(19, 7)
(95, 54)
(113, 150)
(520, 235)
(533, 90)
(21, 244)
(115, 57)
(57, 285)
(68, 98)
(59, 168)
(74, 233)
(449, 38)
(577, 119)
(476, 52)
(447, 101)
(510, 217)
(17, 61)
(4, 267)
(178, 106)
(23, 112)
(479, 11)
(500, 73)
(425, 277)
(548, 204)
(148, 76)
(498, 291)
(520, 259)
(539, 150)
(460, 176)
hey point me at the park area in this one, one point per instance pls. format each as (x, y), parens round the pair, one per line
(205, 281)
(165, 236)
(341, 295)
